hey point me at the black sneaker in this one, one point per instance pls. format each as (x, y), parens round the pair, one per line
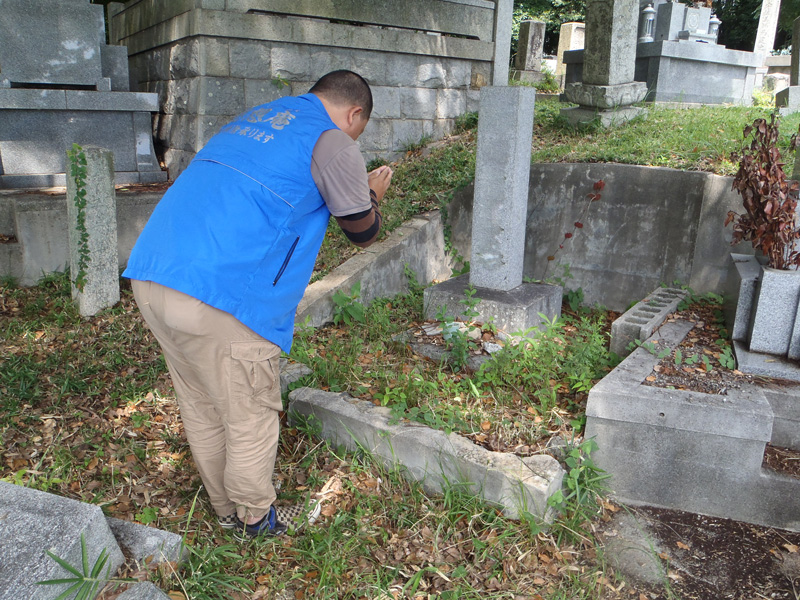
(269, 525)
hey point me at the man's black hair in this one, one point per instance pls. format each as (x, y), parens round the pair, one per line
(345, 87)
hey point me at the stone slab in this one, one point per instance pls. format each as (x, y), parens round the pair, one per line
(502, 171)
(435, 459)
(63, 37)
(788, 100)
(606, 118)
(768, 365)
(685, 450)
(147, 545)
(643, 318)
(512, 311)
(112, 101)
(33, 522)
(774, 312)
(739, 294)
(530, 45)
(785, 403)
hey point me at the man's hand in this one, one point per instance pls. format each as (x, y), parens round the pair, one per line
(379, 180)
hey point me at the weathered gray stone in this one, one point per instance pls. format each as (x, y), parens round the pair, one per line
(261, 91)
(504, 13)
(530, 46)
(407, 132)
(115, 66)
(505, 130)
(437, 460)
(788, 100)
(767, 26)
(291, 372)
(611, 28)
(606, 96)
(93, 234)
(146, 545)
(290, 62)
(571, 37)
(51, 42)
(431, 74)
(414, 103)
(220, 96)
(740, 293)
(450, 103)
(774, 311)
(785, 404)
(512, 311)
(35, 522)
(252, 59)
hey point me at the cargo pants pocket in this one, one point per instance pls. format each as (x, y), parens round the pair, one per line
(254, 379)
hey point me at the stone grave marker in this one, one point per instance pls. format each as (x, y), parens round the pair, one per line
(93, 232)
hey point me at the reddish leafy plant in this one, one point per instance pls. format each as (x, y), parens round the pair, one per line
(769, 220)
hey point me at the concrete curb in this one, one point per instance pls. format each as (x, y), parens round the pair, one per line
(643, 318)
(433, 458)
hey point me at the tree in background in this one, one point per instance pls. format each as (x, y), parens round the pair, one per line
(553, 13)
(740, 22)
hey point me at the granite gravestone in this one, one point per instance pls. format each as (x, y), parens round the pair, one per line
(608, 89)
(528, 60)
(499, 217)
(61, 84)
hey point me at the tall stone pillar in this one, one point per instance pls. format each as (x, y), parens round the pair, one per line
(92, 219)
(608, 89)
(767, 25)
(788, 99)
(503, 17)
(528, 61)
(499, 221)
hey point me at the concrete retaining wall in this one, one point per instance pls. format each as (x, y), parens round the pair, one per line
(651, 226)
(209, 60)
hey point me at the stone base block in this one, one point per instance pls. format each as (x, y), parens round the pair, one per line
(605, 97)
(527, 76)
(516, 310)
(740, 291)
(788, 100)
(774, 313)
(687, 450)
(768, 365)
(434, 458)
(608, 118)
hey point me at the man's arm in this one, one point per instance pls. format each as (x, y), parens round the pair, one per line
(362, 228)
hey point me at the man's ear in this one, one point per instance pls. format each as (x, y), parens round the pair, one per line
(353, 113)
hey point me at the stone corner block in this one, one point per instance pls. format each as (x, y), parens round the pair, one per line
(147, 544)
(606, 96)
(429, 456)
(37, 522)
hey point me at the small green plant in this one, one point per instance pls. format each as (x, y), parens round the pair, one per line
(575, 299)
(466, 121)
(726, 358)
(347, 307)
(280, 82)
(147, 515)
(76, 159)
(85, 582)
(579, 499)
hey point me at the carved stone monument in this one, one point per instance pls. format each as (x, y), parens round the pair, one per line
(528, 60)
(788, 99)
(61, 84)
(607, 89)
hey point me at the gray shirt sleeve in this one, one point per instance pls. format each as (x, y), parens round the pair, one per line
(339, 171)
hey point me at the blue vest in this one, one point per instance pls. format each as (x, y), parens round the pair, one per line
(241, 227)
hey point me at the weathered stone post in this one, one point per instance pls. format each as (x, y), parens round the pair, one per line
(608, 89)
(788, 99)
(528, 61)
(767, 25)
(571, 37)
(499, 221)
(92, 222)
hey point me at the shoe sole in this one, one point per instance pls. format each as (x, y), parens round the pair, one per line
(291, 518)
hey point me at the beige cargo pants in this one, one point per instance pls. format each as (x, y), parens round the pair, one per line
(226, 378)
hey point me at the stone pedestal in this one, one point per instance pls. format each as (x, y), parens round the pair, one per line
(608, 88)
(528, 60)
(787, 101)
(571, 37)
